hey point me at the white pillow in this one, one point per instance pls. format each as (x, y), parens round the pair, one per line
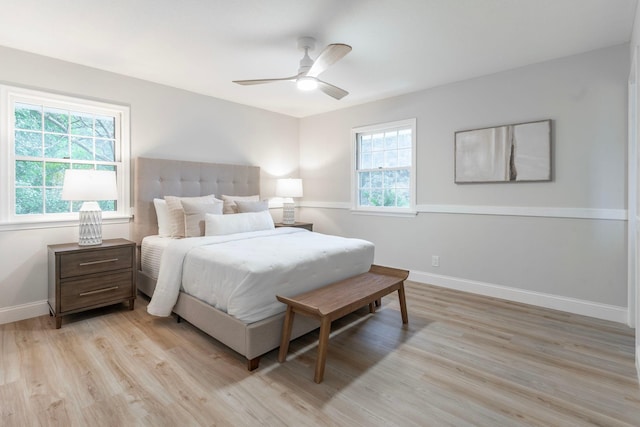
(230, 202)
(194, 212)
(176, 213)
(162, 213)
(243, 206)
(218, 225)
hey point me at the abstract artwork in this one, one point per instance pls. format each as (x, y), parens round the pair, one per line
(519, 152)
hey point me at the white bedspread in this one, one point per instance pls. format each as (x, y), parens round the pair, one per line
(151, 251)
(242, 273)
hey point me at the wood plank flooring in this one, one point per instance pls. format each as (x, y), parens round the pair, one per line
(463, 360)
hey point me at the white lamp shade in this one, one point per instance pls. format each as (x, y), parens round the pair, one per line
(89, 184)
(289, 187)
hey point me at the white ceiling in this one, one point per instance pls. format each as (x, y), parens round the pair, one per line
(399, 46)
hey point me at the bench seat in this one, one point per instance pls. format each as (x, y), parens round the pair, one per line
(338, 299)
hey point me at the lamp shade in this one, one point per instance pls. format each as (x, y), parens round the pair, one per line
(289, 187)
(89, 184)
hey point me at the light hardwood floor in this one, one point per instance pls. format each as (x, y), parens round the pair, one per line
(463, 360)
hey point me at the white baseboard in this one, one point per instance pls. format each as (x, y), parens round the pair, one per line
(556, 302)
(23, 311)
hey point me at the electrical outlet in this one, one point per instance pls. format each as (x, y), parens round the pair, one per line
(435, 261)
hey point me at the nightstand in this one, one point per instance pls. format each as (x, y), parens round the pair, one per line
(305, 225)
(86, 277)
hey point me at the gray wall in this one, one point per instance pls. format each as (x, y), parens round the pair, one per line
(634, 191)
(165, 123)
(541, 255)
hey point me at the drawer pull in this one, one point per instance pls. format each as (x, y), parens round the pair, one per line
(102, 261)
(97, 291)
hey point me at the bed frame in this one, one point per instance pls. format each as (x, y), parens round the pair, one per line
(156, 178)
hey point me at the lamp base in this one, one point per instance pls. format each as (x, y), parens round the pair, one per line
(288, 213)
(90, 232)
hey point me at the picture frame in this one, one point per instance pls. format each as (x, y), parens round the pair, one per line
(518, 152)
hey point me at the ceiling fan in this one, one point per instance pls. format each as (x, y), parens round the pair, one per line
(307, 77)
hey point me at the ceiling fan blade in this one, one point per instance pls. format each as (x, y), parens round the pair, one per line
(328, 56)
(261, 81)
(331, 90)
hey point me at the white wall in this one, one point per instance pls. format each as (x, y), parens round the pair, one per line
(165, 123)
(546, 256)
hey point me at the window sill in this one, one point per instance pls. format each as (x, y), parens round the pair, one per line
(34, 225)
(397, 213)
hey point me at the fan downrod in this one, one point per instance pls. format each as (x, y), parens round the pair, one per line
(306, 44)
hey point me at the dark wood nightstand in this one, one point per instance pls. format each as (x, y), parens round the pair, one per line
(305, 225)
(86, 277)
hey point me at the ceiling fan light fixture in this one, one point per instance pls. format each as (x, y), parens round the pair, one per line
(307, 83)
(307, 76)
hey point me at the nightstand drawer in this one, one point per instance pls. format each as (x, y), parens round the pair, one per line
(78, 264)
(95, 291)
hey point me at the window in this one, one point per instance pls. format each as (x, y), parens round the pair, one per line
(44, 134)
(384, 172)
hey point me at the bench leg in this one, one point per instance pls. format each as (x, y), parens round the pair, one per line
(286, 334)
(323, 343)
(374, 304)
(403, 304)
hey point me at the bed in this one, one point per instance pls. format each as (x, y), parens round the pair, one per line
(248, 335)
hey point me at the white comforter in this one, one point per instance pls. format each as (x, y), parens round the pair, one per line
(242, 273)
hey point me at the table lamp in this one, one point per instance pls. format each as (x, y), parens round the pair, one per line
(89, 186)
(287, 188)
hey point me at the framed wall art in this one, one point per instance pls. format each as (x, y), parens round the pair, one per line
(509, 153)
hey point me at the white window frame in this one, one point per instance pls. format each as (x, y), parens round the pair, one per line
(9, 95)
(383, 210)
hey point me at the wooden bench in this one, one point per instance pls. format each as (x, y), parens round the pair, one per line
(338, 299)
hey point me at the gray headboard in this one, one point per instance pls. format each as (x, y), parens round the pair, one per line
(156, 178)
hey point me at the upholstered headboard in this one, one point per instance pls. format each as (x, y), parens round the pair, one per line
(156, 178)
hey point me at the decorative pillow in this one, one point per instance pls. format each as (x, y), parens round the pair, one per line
(194, 212)
(230, 202)
(243, 206)
(176, 213)
(162, 213)
(218, 225)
